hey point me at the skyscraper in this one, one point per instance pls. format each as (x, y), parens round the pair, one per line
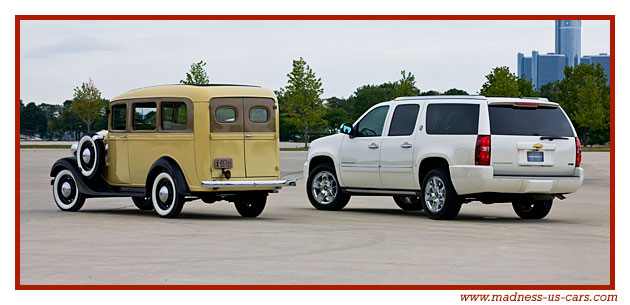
(569, 40)
(541, 69)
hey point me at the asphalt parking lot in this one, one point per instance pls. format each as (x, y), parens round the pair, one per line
(371, 241)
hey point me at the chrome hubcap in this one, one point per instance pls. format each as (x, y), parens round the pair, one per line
(434, 194)
(86, 155)
(66, 189)
(324, 187)
(163, 194)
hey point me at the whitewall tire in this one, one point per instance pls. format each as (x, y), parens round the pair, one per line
(167, 202)
(66, 192)
(90, 157)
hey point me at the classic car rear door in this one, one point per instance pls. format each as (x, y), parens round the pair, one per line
(261, 143)
(227, 135)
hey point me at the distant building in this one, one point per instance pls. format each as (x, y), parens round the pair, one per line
(546, 68)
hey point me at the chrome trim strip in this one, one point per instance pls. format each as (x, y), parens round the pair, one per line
(395, 166)
(254, 184)
(357, 165)
(565, 178)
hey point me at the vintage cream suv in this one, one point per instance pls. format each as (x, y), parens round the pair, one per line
(166, 145)
(437, 152)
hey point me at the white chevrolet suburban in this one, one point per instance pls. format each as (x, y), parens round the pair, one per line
(437, 152)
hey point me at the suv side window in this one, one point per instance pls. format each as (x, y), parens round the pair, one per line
(119, 117)
(404, 120)
(372, 123)
(144, 116)
(449, 118)
(174, 116)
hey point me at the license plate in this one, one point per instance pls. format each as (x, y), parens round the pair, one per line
(535, 156)
(223, 163)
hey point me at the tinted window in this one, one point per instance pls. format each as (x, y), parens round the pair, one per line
(258, 115)
(226, 115)
(404, 120)
(522, 121)
(119, 117)
(174, 116)
(144, 116)
(452, 118)
(372, 124)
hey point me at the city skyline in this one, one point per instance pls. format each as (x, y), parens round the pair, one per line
(57, 56)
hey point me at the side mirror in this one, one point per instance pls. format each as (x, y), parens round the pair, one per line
(346, 128)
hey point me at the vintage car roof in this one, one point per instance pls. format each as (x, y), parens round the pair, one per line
(197, 92)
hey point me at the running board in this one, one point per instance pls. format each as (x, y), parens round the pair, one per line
(380, 192)
(247, 184)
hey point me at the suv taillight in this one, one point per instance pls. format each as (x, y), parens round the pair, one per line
(578, 152)
(482, 150)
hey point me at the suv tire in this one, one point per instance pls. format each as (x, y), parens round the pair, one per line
(323, 190)
(167, 201)
(439, 199)
(409, 203)
(528, 208)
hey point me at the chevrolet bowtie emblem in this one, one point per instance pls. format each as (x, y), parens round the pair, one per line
(538, 145)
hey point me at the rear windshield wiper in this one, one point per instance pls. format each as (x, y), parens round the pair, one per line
(553, 138)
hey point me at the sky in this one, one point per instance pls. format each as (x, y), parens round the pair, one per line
(57, 56)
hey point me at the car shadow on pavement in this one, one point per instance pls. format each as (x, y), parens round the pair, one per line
(132, 212)
(461, 217)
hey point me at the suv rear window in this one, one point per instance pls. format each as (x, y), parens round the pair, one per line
(524, 121)
(452, 119)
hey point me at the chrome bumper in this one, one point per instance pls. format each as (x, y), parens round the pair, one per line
(245, 184)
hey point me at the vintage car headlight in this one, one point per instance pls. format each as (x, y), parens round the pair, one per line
(73, 148)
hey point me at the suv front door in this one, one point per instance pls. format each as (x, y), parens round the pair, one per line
(396, 159)
(360, 154)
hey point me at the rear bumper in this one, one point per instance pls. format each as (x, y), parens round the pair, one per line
(481, 179)
(247, 184)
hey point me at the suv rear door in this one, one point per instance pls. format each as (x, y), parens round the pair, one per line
(531, 139)
(396, 156)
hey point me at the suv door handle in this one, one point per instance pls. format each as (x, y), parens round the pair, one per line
(373, 146)
(405, 145)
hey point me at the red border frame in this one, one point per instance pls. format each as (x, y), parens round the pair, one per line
(19, 286)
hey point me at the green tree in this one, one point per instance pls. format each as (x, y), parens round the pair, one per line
(526, 88)
(549, 91)
(87, 103)
(334, 117)
(500, 82)
(585, 97)
(32, 119)
(367, 96)
(196, 75)
(405, 86)
(302, 98)
(342, 103)
(455, 91)
(430, 92)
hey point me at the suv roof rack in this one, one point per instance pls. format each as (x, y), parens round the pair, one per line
(444, 97)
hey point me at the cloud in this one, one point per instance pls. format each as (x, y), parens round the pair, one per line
(75, 44)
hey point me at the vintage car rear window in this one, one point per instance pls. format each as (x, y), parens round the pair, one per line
(119, 117)
(144, 116)
(456, 119)
(174, 116)
(526, 121)
(258, 115)
(226, 115)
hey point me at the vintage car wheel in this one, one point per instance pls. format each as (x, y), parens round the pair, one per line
(440, 201)
(323, 190)
(408, 203)
(528, 208)
(167, 202)
(142, 203)
(90, 156)
(66, 193)
(251, 206)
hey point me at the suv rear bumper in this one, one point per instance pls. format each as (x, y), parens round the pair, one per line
(480, 179)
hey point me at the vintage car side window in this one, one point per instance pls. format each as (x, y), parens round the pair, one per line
(144, 116)
(174, 116)
(404, 120)
(457, 119)
(119, 117)
(372, 123)
(258, 115)
(226, 115)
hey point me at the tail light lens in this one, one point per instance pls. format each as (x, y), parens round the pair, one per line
(578, 152)
(482, 150)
